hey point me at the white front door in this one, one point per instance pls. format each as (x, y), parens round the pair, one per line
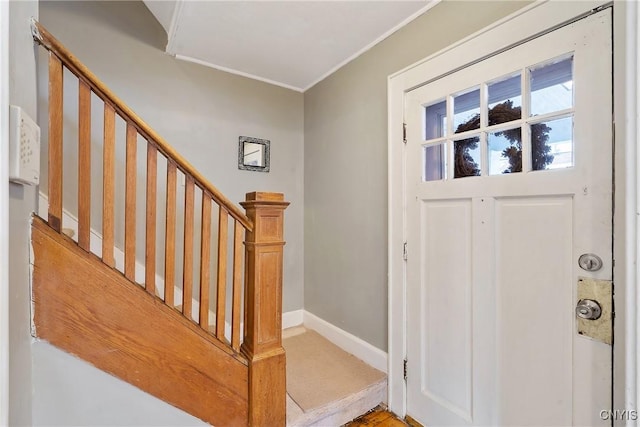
(508, 181)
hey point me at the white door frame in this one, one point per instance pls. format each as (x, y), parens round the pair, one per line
(4, 213)
(516, 28)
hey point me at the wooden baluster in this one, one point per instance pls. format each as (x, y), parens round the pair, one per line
(238, 235)
(263, 304)
(130, 204)
(84, 166)
(170, 236)
(205, 255)
(187, 265)
(246, 287)
(150, 252)
(221, 299)
(55, 142)
(108, 189)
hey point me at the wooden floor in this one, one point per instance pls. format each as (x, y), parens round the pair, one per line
(378, 417)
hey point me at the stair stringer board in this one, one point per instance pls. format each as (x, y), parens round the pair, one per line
(90, 310)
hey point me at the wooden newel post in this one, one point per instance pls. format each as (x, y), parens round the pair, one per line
(263, 309)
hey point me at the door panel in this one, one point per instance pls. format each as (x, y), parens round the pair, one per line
(533, 259)
(446, 301)
(508, 181)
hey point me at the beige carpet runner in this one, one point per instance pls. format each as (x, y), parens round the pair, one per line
(319, 372)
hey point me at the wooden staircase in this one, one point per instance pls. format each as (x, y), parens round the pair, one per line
(86, 306)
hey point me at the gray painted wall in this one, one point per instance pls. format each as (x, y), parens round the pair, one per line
(22, 201)
(345, 176)
(199, 110)
(71, 392)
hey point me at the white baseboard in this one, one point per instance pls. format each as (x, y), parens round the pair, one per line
(348, 342)
(292, 318)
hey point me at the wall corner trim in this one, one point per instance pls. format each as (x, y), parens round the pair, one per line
(348, 342)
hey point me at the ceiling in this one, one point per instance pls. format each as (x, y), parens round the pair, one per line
(294, 44)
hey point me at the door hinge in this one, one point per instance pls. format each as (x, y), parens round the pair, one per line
(405, 369)
(404, 133)
(404, 251)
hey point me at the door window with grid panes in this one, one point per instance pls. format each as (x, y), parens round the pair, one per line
(520, 122)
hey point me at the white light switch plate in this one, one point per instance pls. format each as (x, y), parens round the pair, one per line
(24, 148)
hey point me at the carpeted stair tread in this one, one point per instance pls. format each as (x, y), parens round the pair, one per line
(319, 372)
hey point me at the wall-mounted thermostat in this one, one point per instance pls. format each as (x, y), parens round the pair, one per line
(24, 148)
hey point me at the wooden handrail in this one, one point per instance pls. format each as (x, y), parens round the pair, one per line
(49, 42)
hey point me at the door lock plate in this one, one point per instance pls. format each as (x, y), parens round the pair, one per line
(592, 292)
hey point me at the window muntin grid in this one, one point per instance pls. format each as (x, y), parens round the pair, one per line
(528, 112)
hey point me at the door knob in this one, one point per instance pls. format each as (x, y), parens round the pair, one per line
(588, 309)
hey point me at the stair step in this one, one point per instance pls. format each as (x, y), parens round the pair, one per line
(326, 385)
(340, 411)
